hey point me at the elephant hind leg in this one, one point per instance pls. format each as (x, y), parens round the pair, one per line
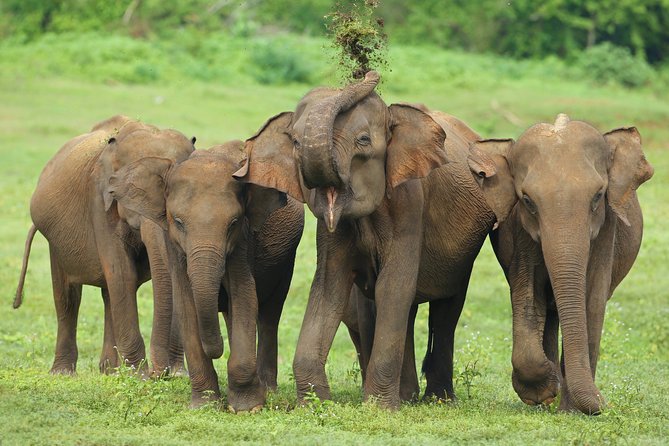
(438, 364)
(67, 297)
(109, 359)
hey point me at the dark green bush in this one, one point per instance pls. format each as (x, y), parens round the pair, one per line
(276, 62)
(607, 63)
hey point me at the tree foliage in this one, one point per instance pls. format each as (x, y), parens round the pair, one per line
(520, 28)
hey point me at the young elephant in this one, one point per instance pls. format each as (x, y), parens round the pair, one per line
(95, 241)
(227, 242)
(401, 239)
(570, 230)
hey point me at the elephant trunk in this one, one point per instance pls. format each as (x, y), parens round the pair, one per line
(317, 158)
(205, 271)
(566, 255)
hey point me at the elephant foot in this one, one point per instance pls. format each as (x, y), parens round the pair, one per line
(385, 401)
(63, 369)
(439, 394)
(201, 399)
(536, 390)
(246, 398)
(254, 410)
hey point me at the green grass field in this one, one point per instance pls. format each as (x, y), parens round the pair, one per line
(41, 109)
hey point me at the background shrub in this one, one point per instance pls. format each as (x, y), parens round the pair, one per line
(607, 63)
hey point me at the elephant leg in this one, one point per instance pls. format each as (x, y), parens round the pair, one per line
(269, 314)
(109, 356)
(67, 297)
(330, 291)
(409, 389)
(177, 364)
(535, 377)
(121, 280)
(551, 341)
(438, 369)
(245, 392)
(366, 309)
(154, 241)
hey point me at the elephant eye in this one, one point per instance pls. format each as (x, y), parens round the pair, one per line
(232, 224)
(596, 199)
(529, 204)
(179, 224)
(364, 140)
(296, 144)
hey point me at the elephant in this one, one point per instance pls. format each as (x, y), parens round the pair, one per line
(95, 241)
(232, 249)
(393, 217)
(570, 228)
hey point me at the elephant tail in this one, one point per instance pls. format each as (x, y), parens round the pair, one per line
(18, 299)
(427, 361)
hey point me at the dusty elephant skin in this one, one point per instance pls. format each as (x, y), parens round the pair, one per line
(95, 241)
(232, 249)
(401, 239)
(570, 230)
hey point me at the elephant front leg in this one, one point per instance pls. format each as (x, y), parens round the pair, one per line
(154, 240)
(409, 389)
(245, 391)
(268, 327)
(394, 296)
(535, 377)
(109, 355)
(328, 298)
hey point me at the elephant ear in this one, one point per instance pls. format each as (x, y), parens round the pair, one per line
(416, 146)
(260, 203)
(140, 187)
(270, 162)
(105, 171)
(488, 161)
(628, 170)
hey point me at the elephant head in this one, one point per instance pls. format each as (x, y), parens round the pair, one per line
(207, 215)
(132, 140)
(342, 151)
(561, 180)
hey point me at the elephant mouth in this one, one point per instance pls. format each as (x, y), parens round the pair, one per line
(330, 203)
(331, 194)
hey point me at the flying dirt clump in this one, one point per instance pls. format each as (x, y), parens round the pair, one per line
(359, 38)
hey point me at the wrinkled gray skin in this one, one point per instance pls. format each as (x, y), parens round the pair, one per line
(232, 248)
(570, 230)
(358, 164)
(95, 241)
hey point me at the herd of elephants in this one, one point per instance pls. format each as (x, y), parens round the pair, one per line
(404, 196)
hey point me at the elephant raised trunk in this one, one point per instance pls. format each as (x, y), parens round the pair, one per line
(566, 256)
(317, 158)
(205, 271)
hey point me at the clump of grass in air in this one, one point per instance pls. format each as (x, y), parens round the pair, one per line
(359, 39)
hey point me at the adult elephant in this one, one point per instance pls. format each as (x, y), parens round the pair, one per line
(95, 241)
(401, 236)
(570, 231)
(232, 249)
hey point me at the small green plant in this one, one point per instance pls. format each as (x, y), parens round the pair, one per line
(467, 376)
(321, 409)
(354, 372)
(359, 38)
